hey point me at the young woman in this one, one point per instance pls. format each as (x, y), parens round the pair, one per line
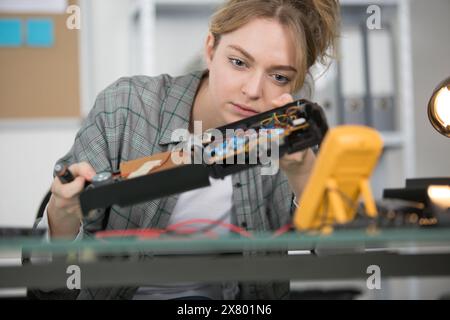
(257, 53)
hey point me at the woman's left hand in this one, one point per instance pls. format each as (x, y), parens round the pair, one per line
(298, 165)
(293, 164)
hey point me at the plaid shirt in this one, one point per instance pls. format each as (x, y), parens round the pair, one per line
(135, 117)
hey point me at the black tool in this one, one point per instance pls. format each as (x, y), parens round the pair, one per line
(63, 173)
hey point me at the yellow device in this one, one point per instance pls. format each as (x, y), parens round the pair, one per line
(340, 176)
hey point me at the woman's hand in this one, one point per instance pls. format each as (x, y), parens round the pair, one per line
(298, 165)
(63, 211)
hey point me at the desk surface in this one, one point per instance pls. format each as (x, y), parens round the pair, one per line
(346, 255)
(386, 238)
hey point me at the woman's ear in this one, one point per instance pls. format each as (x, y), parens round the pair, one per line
(209, 49)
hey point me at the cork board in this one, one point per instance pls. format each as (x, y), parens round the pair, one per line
(41, 82)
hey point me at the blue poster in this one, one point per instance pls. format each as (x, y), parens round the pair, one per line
(10, 32)
(40, 32)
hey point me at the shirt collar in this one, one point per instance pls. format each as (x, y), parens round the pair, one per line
(177, 105)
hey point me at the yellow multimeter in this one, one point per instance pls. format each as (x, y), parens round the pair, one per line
(340, 177)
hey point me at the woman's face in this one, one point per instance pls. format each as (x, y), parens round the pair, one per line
(249, 68)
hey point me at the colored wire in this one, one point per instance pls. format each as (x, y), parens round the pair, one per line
(178, 228)
(191, 231)
(229, 226)
(282, 230)
(142, 233)
(292, 110)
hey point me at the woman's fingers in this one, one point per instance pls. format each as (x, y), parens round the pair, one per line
(282, 100)
(82, 169)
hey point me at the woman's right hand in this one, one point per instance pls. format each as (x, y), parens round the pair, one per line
(64, 211)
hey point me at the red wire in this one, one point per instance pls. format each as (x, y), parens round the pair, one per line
(155, 233)
(146, 233)
(188, 231)
(229, 226)
(282, 230)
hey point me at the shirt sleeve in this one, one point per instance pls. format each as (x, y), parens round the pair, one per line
(99, 141)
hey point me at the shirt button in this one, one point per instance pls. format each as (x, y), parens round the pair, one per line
(238, 185)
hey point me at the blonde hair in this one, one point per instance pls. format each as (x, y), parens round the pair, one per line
(312, 23)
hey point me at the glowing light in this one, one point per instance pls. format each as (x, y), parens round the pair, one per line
(442, 105)
(440, 195)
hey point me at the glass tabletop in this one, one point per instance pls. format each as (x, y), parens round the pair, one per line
(366, 238)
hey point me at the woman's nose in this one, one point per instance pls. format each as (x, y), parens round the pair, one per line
(252, 87)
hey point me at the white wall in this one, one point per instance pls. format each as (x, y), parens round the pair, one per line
(180, 39)
(29, 150)
(107, 39)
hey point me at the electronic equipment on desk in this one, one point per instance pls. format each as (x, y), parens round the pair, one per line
(432, 198)
(340, 177)
(294, 127)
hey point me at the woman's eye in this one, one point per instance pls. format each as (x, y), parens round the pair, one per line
(281, 79)
(237, 62)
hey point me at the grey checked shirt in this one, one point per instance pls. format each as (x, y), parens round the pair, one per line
(135, 117)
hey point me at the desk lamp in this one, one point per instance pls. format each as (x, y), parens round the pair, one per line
(439, 115)
(439, 108)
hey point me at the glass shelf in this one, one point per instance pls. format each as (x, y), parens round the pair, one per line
(386, 238)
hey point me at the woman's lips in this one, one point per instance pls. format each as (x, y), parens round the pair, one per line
(243, 110)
